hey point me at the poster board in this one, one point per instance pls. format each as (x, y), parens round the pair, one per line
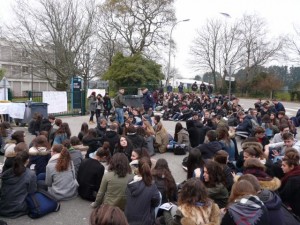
(57, 101)
(98, 91)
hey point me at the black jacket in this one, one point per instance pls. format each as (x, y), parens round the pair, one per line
(208, 150)
(93, 143)
(89, 178)
(141, 202)
(137, 140)
(197, 132)
(113, 138)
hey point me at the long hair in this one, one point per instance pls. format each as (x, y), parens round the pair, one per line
(141, 152)
(193, 191)
(240, 189)
(145, 170)
(84, 128)
(148, 128)
(215, 172)
(291, 157)
(104, 151)
(108, 215)
(223, 134)
(178, 127)
(64, 159)
(120, 165)
(92, 133)
(64, 129)
(19, 163)
(194, 161)
(162, 170)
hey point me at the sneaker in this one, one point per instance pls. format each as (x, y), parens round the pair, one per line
(184, 167)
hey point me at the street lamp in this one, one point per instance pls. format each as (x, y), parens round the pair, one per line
(170, 47)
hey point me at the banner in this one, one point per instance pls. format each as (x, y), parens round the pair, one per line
(57, 101)
(16, 110)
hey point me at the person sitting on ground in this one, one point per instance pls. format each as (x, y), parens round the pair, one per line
(114, 183)
(142, 194)
(90, 174)
(194, 206)
(101, 127)
(243, 201)
(270, 199)
(9, 162)
(208, 150)
(107, 214)
(5, 134)
(55, 126)
(137, 140)
(77, 145)
(39, 154)
(194, 164)
(290, 183)
(16, 138)
(283, 128)
(112, 137)
(60, 174)
(83, 130)
(63, 133)
(245, 127)
(181, 136)
(161, 138)
(17, 183)
(124, 146)
(215, 182)
(227, 143)
(75, 154)
(92, 141)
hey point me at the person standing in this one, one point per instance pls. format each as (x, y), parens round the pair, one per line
(194, 87)
(180, 88)
(99, 106)
(148, 100)
(202, 87)
(92, 106)
(107, 105)
(169, 88)
(118, 104)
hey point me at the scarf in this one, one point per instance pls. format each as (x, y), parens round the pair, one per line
(246, 211)
(292, 173)
(258, 173)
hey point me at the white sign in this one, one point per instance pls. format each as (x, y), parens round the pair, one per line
(98, 91)
(57, 101)
(16, 110)
(228, 78)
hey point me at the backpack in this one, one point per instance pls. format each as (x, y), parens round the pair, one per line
(41, 203)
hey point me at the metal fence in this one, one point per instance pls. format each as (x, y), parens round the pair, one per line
(37, 96)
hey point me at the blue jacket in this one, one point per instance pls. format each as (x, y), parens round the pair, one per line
(148, 100)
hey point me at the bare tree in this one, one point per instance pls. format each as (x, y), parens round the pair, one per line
(293, 45)
(258, 47)
(55, 34)
(139, 23)
(206, 47)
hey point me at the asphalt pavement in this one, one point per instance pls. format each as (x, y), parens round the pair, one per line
(77, 211)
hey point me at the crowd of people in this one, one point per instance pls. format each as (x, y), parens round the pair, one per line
(112, 166)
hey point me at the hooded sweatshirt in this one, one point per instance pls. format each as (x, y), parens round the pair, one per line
(141, 202)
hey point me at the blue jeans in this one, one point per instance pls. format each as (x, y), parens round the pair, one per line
(120, 115)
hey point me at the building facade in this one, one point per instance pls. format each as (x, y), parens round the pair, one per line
(20, 70)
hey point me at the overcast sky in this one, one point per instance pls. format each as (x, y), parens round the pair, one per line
(281, 16)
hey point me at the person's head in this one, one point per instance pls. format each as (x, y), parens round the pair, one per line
(138, 153)
(64, 158)
(119, 164)
(193, 191)
(211, 135)
(272, 116)
(222, 133)
(21, 147)
(213, 174)
(92, 133)
(284, 128)
(51, 118)
(250, 153)
(3, 127)
(123, 141)
(259, 132)
(254, 163)
(156, 119)
(290, 160)
(64, 129)
(121, 90)
(207, 114)
(194, 161)
(281, 114)
(102, 122)
(108, 215)
(20, 162)
(93, 94)
(131, 129)
(58, 122)
(288, 139)
(113, 127)
(75, 141)
(253, 112)
(103, 153)
(252, 179)
(241, 189)
(221, 157)
(144, 169)
(41, 141)
(44, 133)
(144, 90)
(84, 127)
(195, 116)
(18, 136)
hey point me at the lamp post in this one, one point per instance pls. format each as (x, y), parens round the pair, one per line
(170, 47)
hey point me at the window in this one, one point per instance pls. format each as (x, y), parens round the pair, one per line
(25, 69)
